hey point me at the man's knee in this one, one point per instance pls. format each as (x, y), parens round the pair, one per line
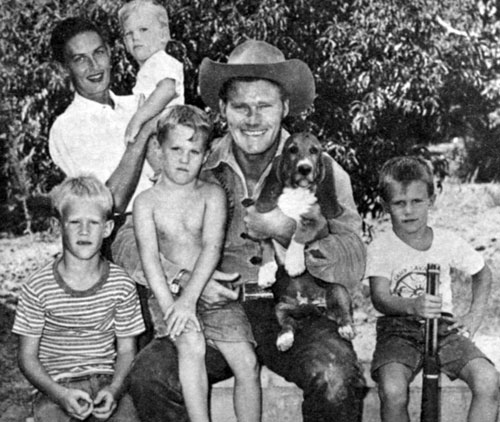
(154, 384)
(328, 363)
(337, 381)
(155, 370)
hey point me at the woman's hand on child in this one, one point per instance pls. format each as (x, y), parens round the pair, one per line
(77, 403)
(427, 306)
(104, 404)
(182, 311)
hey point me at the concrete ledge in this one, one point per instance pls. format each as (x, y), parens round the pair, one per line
(282, 400)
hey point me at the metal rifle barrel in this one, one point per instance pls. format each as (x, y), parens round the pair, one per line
(430, 385)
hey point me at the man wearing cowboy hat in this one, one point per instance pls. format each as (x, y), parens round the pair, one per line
(254, 91)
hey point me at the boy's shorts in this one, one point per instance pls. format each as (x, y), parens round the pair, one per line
(227, 323)
(45, 410)
(402, 340)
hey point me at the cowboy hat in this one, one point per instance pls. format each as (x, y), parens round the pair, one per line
(258, 59)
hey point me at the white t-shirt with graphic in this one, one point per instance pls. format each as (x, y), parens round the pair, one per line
(406, 267)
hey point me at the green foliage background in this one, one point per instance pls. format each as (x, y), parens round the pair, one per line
(390, 76)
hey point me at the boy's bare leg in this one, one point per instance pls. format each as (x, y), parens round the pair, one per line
(482, 378)
(193, 374)
(393, 382)
(241, 357)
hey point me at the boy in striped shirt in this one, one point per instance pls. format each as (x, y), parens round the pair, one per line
(78, 317)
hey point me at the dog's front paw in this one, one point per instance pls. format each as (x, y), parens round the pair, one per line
(267, 274)
(347, 331)
(295, 263)
(294, 269)
(284, 341)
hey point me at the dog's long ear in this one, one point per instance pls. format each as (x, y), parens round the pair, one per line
(272, 189)
(320, 170)
(325, 192)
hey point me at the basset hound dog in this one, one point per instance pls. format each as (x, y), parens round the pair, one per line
(301, 177)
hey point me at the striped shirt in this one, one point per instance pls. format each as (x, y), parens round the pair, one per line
(77, 329)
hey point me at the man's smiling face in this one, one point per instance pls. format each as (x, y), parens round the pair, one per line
(88, 61)
(254, 111)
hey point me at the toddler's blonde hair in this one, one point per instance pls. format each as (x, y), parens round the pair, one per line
(158, 10)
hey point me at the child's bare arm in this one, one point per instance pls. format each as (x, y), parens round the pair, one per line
(481, 288)
(155, 103)
(76, 403)
(147, 243)
(105, 401)
(423, 306)
(214, 222)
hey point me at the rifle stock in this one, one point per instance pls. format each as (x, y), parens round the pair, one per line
(430, 385)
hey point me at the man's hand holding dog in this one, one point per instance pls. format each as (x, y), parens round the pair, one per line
(312, 226)
(273, 224)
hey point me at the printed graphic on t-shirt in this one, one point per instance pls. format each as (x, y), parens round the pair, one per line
(410, 282)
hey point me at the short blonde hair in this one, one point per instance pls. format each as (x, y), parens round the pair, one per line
(84, 186)
(185, 115)
(158, 10)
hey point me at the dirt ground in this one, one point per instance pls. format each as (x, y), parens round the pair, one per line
(472, 211)
(19, 257)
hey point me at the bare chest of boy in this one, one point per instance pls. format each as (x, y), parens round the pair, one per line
(179, 225)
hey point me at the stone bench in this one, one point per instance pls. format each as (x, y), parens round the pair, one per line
(282, 400)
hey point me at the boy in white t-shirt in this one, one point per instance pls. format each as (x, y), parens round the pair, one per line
(160, 78)
(396, 268)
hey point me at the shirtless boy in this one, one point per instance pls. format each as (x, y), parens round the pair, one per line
(182, 220)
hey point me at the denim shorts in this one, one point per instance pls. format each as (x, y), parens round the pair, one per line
(402, 340)
(227, 323)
